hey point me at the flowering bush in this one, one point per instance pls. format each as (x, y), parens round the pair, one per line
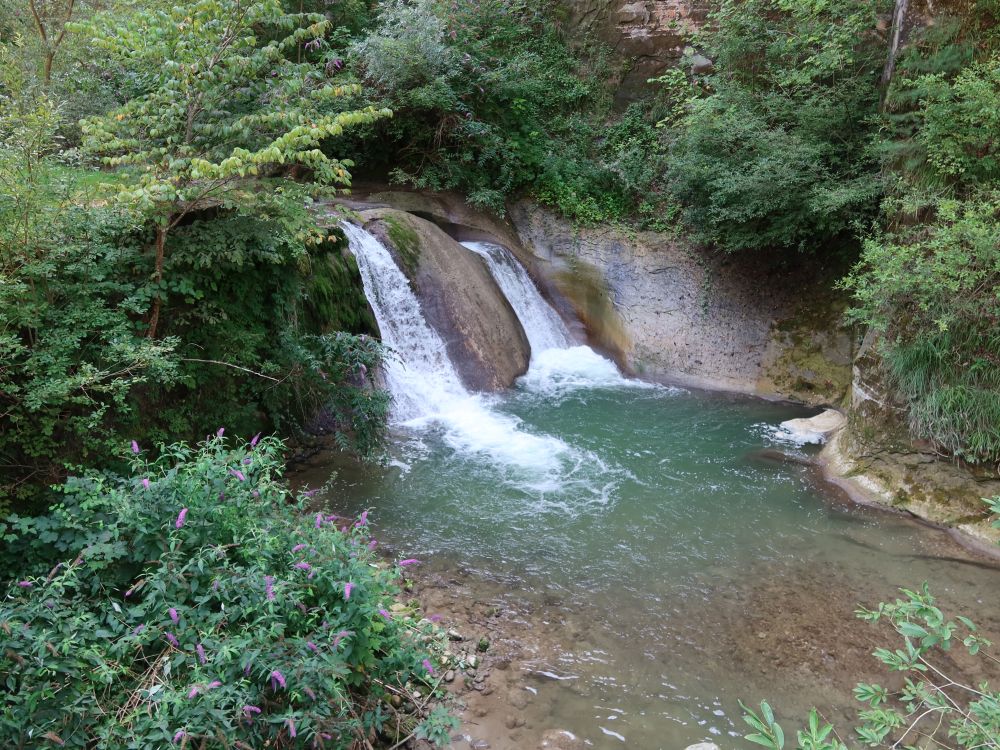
(195, 603)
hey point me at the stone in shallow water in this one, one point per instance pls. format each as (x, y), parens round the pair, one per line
(703, 746)
(815, 429)
(560, 739)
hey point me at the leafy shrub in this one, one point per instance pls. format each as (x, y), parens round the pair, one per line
(932, 703)
(927, 283)
(484, 95)
(930, 291)
(194, 602)
(774, 153)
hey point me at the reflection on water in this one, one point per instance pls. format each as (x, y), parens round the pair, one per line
(667, 567)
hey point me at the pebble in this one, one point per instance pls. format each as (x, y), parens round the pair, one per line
(455, 635)
(449, 676)
(702, 746)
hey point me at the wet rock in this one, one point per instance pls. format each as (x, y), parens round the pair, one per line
(703, 746)
(560, 739)
(700, 65)
(815, 429)
(459, 298)
(518, 698)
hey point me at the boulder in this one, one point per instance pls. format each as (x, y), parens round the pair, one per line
(459, 299)
(815, 429)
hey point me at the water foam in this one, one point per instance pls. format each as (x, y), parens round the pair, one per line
(558, 365)
(424, 384)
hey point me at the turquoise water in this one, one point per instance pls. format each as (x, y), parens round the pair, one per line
(665, 566)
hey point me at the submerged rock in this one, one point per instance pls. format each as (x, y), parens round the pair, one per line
(815, 429)
(459, 299)
(703, 746)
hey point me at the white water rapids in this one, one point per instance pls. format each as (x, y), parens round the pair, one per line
(428, 393)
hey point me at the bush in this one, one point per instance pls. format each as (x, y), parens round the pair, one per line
(775, 150)
(932, 704)
(193, 602)
(484, 93)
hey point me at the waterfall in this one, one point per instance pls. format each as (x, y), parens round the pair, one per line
(542, 325)
(425, 387)
(558, 365)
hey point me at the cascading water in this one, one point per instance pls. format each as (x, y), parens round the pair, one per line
(424, 384)
(543, 327)
(558, 364)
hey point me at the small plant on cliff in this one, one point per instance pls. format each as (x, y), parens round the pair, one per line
(932, 708)
(194, 603)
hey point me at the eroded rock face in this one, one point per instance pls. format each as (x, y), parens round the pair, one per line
(458, 297)
(646, 36)
(672, 312)
(876, 460)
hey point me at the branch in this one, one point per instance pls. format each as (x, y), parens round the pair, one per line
(229, 364)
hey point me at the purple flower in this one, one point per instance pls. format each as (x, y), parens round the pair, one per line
(214, 684)
(173, 641)
(309, 692)
(247, 461)
(253, 442)
(178, 735)
(372, 545)
(135, 447)
(428, 666)
(347, 590)
(215, 585)
(312, 646)
(269, 587)
(309, 493)
(385, 614)
(138, 629)
(192, 692)
(362, 520)
(340, 636)
(246, 671)
(303, 565)
(221, 432)
(180, 518)
(251, 710)
(291, 727)
(145, 483)
(298, 547)
(319, 520)
(25, 584)
(201, 653)
(238, 474)
(410, 561)
(129, 593)
(277, 679)
(173, 615)
(435, 618)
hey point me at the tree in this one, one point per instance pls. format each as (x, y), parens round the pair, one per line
(51, 20)
(226, 106)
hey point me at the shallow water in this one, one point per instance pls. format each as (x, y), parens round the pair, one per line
(667, 569)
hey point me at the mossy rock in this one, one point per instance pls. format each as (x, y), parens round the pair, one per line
(334, 294)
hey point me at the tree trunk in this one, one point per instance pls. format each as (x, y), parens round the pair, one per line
(898, 19)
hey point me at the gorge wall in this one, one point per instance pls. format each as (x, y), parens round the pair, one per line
(645, 36)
